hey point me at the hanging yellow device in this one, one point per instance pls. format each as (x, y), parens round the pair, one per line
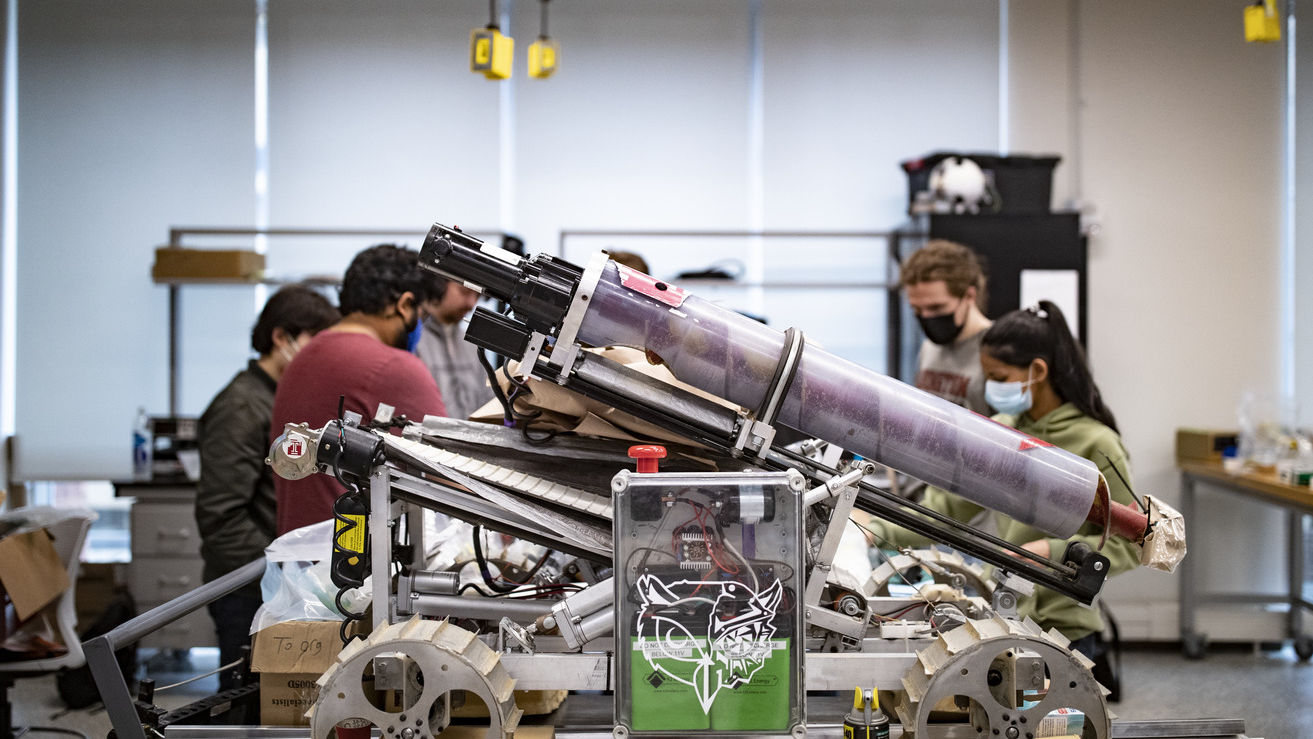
(1262, 22)
(542, 57)
(543, 52)
(491, 53)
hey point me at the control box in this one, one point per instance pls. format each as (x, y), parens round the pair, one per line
(709, 624)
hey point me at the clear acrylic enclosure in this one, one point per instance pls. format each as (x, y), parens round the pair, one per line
(709, 573)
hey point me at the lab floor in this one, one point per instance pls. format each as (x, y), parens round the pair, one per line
(1271, 690)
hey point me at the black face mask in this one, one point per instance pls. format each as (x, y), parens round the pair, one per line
(408, 329)
(940, 329)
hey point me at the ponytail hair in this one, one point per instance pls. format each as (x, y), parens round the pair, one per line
(1022, 336)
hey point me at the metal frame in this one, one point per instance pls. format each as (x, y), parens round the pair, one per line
(1192, 597)
(597, 705)
(110, 680)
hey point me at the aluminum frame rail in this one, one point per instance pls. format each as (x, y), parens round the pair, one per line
(110, 681)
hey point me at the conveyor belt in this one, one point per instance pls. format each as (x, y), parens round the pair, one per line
(505, 477)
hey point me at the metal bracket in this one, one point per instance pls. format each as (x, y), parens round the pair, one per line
(566, 350)
(755, 436)
(758, 433)
(1009, 591)
(824, 618)
(530, 359)
(513, 637)
(820, 570)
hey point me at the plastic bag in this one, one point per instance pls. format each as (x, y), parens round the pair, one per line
(297, 583)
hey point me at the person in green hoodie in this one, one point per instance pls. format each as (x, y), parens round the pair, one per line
(1037, 378)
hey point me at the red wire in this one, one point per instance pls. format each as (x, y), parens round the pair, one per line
(707, 538)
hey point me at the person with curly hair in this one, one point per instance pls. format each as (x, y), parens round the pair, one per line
(363, 359)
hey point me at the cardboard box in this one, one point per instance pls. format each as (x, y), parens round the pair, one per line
(31, 572)
(175, 264)
(98, 582)
(1202, 445)
(290, 657)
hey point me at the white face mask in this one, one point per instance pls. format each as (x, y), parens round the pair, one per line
(287, 355)
(1013, 398)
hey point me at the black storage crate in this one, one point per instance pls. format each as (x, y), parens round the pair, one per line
(1024, 183)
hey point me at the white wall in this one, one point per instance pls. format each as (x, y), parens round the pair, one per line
(852, 88)
(375, 120)
(138, 116)
(1176, 138)
(133, 116)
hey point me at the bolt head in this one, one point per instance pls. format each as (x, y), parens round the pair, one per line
(1098, 567)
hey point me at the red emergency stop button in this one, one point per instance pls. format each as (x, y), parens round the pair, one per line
(647, 456)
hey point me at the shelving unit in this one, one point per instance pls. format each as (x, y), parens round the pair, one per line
(179, 236)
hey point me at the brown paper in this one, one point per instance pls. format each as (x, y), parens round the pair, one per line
(31, 572)
(563, 409)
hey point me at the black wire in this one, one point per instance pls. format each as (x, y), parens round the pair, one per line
(506, 372)
(643, 564)
(507, 412)
(1134, 497)
(483, 564)
(542, 32)
(538, 440)
(352, 489)
(348, 617)
(475, 588)
(492, 14)
(515, 395)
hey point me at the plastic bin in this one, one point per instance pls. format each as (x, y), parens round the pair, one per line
(1024, 183)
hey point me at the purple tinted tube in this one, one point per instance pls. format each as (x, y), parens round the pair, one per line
(865, 412)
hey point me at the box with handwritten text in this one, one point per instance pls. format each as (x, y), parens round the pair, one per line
(290, 657)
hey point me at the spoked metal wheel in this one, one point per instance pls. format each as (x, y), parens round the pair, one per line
(983, 672)
(437, 658)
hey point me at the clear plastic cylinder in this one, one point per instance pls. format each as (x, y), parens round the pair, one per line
(865, 412)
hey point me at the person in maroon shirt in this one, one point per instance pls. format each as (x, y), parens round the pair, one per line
(363, 358)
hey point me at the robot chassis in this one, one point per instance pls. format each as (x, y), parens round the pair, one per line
(955, 645)
(951, 645)
(952, 658)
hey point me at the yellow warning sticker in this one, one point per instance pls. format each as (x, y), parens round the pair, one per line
(351, 537)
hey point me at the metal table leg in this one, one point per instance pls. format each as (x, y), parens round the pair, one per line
(1295, 528)
(1192, 642)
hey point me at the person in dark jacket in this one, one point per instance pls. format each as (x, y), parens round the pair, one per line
(235, 504)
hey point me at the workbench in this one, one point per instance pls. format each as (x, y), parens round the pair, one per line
(1264, 488)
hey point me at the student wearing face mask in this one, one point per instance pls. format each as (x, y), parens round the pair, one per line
(944, 286)
(1038, 380)
(362, 358)
(235, 492)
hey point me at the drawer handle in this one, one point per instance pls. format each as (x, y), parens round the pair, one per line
(181, 581)
(163, 533)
